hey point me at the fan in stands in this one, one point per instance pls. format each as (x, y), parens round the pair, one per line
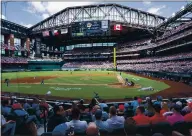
(77, 120)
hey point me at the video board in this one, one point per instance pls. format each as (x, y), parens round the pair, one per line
(90, 28)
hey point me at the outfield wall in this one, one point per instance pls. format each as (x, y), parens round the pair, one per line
(44, 65)
(33, 66)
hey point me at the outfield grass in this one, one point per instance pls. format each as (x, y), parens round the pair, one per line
(95, 82)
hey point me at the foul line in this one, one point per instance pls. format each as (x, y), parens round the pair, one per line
(67, 84)
(120, 79)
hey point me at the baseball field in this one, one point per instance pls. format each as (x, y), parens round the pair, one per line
(80, 84)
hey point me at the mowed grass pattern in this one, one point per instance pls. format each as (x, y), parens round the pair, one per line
(105, 79)
(81, 91)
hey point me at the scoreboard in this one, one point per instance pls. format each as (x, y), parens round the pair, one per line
(90, 28)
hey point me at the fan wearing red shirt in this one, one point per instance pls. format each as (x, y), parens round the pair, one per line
(140, 118)
(157, 118)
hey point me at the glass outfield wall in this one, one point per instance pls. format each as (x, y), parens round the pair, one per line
(71, 47)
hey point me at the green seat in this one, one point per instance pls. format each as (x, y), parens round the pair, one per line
(189, 127)
(47, 134)
(31, 111)
(80, 133)
(86, 117)
(144, 130)
(128, 113)
(106, 109)
(181, 127)
(163, 128)
(117, 132)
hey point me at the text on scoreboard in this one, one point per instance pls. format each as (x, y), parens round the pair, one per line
(90, 28)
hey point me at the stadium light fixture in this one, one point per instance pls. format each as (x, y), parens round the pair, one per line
(173, 14)
(183, 7)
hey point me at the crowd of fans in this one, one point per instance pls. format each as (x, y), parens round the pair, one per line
(136, 48)
(89, 65)
(173, 66)
(90, 56)
(22, 60)
(135, 43)
(15, 47)
(174, 37)
(175, 30)
(46, 59)
(23, 117)
(155, 44)
(18, 60)
(88, 51)
(157, 59)
(98, 117)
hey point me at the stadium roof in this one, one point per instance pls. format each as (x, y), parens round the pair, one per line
(177, 16)
(12, 23)
(95, 5)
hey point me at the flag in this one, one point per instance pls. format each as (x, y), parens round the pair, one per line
(64, 31)
(56, 32)
(118, 27)
(45, 33)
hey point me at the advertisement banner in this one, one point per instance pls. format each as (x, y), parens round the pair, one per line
(64, 31)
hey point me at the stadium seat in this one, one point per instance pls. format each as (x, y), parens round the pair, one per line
(69, 118)
(131, 107)
(86, 117)
(80, 133)
(163, 128)
(144, 130)
(128, 113)
(106, 109)
(117, 132)
(50, 113)
(103, 132)
(31, 111)
(181, 127)
(189, 127)
(47, 134)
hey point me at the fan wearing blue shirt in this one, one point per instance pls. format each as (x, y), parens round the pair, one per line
(79, 126)
(115, 122)
(102, 125)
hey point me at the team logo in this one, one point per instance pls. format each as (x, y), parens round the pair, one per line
(89, 25)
